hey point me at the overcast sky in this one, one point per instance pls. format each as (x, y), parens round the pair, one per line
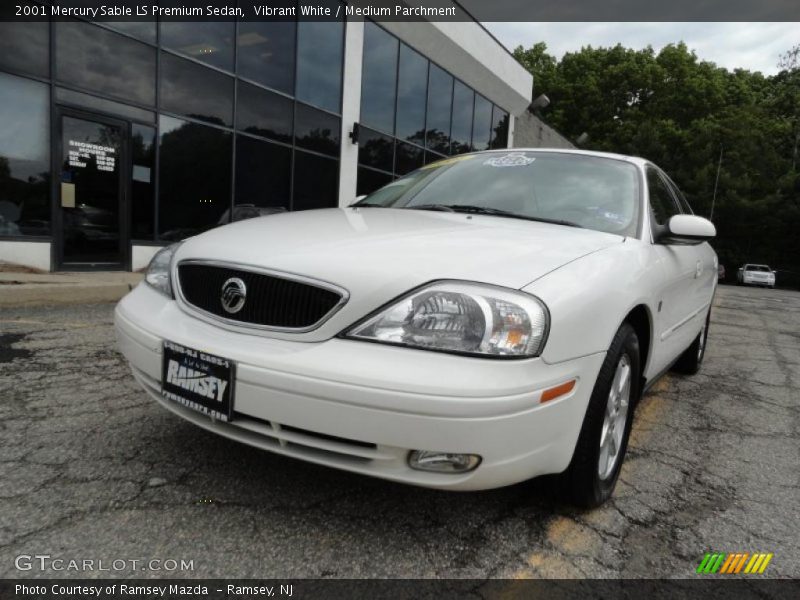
(753, 46)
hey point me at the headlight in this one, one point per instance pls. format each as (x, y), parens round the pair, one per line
(158, 271)
(466, 318)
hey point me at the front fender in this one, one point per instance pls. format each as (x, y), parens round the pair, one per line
(589, 298)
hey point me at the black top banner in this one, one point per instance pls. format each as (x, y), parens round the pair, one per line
(403, 10)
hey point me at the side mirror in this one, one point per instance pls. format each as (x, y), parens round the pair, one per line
(686, 229)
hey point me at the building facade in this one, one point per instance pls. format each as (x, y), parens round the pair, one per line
(119, 138)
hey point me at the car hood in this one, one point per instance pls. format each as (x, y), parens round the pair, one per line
(377, 254)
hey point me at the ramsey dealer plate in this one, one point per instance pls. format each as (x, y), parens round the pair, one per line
(198, 380)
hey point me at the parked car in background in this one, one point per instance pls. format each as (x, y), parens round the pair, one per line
(721, 273)
(751, 274)
(483, 320)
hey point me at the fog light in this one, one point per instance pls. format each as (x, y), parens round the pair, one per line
(442, 462)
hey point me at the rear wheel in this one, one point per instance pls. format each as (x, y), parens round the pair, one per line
(691, 360)
(591, 476)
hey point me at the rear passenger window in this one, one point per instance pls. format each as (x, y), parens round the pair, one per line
(662, 201)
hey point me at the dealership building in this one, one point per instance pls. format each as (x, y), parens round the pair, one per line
(119, 138)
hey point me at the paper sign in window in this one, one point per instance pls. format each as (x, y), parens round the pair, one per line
(68, 195)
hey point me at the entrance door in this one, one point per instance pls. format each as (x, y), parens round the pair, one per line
(91, 192)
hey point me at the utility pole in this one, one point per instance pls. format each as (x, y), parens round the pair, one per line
(716, 183)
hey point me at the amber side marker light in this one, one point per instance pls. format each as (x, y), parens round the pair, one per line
(558, 391)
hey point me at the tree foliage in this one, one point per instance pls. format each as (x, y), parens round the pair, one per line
(682, 112)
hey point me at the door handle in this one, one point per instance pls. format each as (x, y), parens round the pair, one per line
(698, 269)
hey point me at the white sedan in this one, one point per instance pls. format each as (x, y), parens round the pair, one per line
(484, 320)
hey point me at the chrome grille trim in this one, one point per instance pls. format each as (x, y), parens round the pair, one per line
(239, 325)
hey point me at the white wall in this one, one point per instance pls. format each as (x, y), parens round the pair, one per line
(141, 255)
(29, 254)
(351, 109)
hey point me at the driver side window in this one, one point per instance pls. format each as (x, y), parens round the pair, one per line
(662, 202)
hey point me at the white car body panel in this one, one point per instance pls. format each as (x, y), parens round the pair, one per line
(363, 406)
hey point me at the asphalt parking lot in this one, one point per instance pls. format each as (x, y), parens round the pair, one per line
(91, 468)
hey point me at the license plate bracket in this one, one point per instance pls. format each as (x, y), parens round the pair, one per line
(198, 380)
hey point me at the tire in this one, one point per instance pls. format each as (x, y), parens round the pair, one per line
(691, 360)
(592, 474)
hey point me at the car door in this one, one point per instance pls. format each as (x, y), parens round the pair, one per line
(680, 267)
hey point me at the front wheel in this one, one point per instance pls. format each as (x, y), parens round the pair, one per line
(591, 476)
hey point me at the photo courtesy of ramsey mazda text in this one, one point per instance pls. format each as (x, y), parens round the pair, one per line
(483, 320)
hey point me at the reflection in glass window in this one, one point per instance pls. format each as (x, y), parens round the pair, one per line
(375, 149)
(412, 86)
(461, 135)
(407, 158)
(144, 30)
(316, 181)
(194, 178)
(320, 47)
(440, 96)
(25, 47)
(94, 58)
(317, 130)
(499, 128)
(266, 53)
(482, 123)
(263, 171)
(143, 158)
(24, 156)
(195, 91)
(264, 113)
(208, 41)
(379, 78)
(81, 100)
(369, 181)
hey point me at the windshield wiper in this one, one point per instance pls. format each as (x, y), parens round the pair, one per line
(487, 210)
(437, 207)
(367, 205)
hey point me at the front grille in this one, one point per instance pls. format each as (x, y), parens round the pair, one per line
(271, 301)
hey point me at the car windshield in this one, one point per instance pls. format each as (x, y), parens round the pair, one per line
(589, 191)
(757, 268)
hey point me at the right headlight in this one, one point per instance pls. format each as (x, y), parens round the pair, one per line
(158, 274)
(461, 317)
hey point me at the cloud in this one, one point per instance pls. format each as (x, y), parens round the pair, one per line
(753, 46)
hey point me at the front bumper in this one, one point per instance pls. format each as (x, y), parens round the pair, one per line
(363, 407)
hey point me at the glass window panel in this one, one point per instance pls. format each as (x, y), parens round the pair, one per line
(264, 113)
(208, 41)
(316, 181)
(499, 128)
(25, 47)
(412, 86)
(375, 149)
(369, 181)
(461, 135)
(440, 96)
(263, 171)
(143, 158)
(662, 201)
(266, 53)
(195, 91)
(320, 47)
(317, 130)
(194, 178)
(24, 156)
(144, 30)
(97, 59)
(379, 78)
(408, 158)
(82, 100)
(482, 123)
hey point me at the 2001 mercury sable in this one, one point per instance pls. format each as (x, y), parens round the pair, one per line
(481, 321)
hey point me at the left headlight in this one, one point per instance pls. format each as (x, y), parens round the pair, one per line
(461, 317)
(158, 271)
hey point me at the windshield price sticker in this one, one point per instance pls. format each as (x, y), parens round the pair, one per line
(513, 159)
